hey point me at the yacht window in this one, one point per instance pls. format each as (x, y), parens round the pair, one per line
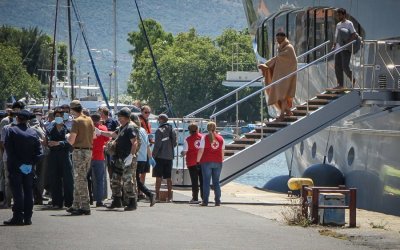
(314, 150)
(301, 148)
(330, 154)
(350, 156)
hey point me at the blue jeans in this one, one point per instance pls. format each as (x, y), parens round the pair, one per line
(98, 175)
(211, 170)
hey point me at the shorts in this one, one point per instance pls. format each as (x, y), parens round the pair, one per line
(143, 167)
(163, 168)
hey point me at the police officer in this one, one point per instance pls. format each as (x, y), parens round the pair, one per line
(127, 144)
(23, 150)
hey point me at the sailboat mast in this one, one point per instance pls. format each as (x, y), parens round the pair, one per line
(52, 60)
(70, 66)
(115, 56)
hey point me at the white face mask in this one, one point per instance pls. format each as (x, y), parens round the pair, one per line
(14, 121)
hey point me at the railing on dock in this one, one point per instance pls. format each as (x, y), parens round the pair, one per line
(315, 191)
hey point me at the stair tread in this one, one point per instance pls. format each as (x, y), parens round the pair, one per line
(266, 128)
(327, 96)
(244, 139)
(301, 107)
(342, 90)
(238, 146)
(277, 124)
(320, 101)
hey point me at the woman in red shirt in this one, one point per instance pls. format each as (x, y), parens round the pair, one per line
(211, 156)
(190, 149)
(98, 164)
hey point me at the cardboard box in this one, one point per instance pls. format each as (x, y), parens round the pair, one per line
(328, 216)
(164, 195)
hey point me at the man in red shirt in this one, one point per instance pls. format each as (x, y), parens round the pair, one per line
(98, 163)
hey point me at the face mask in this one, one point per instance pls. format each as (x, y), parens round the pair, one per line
(14, 121)
(39, 117)
(66, 116)
(58, 120)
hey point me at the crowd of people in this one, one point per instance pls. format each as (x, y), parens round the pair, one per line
(65, 156)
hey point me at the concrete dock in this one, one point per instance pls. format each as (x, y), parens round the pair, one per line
(248, 219)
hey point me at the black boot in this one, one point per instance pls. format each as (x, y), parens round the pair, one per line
(116, 203)
(132, 205)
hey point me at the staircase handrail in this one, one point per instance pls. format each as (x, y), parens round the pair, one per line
(283, 78)
(247, 84)
(313, 49)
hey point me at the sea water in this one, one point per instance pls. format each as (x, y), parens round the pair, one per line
(258, 176)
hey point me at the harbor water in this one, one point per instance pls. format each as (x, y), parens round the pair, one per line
(256, 177)
(260, 175)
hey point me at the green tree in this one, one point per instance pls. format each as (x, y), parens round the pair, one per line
(155, 33)
(192, 68)
(35, 48)
(14, 78)
(237, 50)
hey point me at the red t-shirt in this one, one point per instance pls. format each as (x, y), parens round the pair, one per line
(192, 145)
(98, 144)
(212, 151)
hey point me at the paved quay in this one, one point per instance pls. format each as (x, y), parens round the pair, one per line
(248, 219)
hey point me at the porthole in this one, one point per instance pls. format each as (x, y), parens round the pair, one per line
(350, 156)
(314, 150)
(330, 154)
(301, 148)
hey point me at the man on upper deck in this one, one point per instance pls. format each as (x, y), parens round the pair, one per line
(344, 34)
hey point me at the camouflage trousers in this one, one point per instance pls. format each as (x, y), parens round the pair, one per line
(81, 163)
(124, 179)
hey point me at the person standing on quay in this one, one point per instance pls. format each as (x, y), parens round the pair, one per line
(98, 169)
(163, 153)
(24, 151)
(81, 138)
(142, 155)
(145, 124)
(59, 163)
(211, 156)
(127, 143)
(191, 149)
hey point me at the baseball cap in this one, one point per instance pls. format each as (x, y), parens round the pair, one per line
(75, 104)
(126, 112)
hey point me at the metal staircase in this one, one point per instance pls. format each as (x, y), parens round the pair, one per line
(275, 137)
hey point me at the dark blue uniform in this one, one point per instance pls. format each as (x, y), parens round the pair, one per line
(60, 167)
(23, 147)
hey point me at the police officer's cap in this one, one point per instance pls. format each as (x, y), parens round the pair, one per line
(24, 114)
(163, 117)
(75, 104)
(126, 112)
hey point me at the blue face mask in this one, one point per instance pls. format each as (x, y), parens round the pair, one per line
(58, 120)
(66, 116)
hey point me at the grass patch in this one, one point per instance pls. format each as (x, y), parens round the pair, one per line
(380, 225)
(292, 214)
(330, 233)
